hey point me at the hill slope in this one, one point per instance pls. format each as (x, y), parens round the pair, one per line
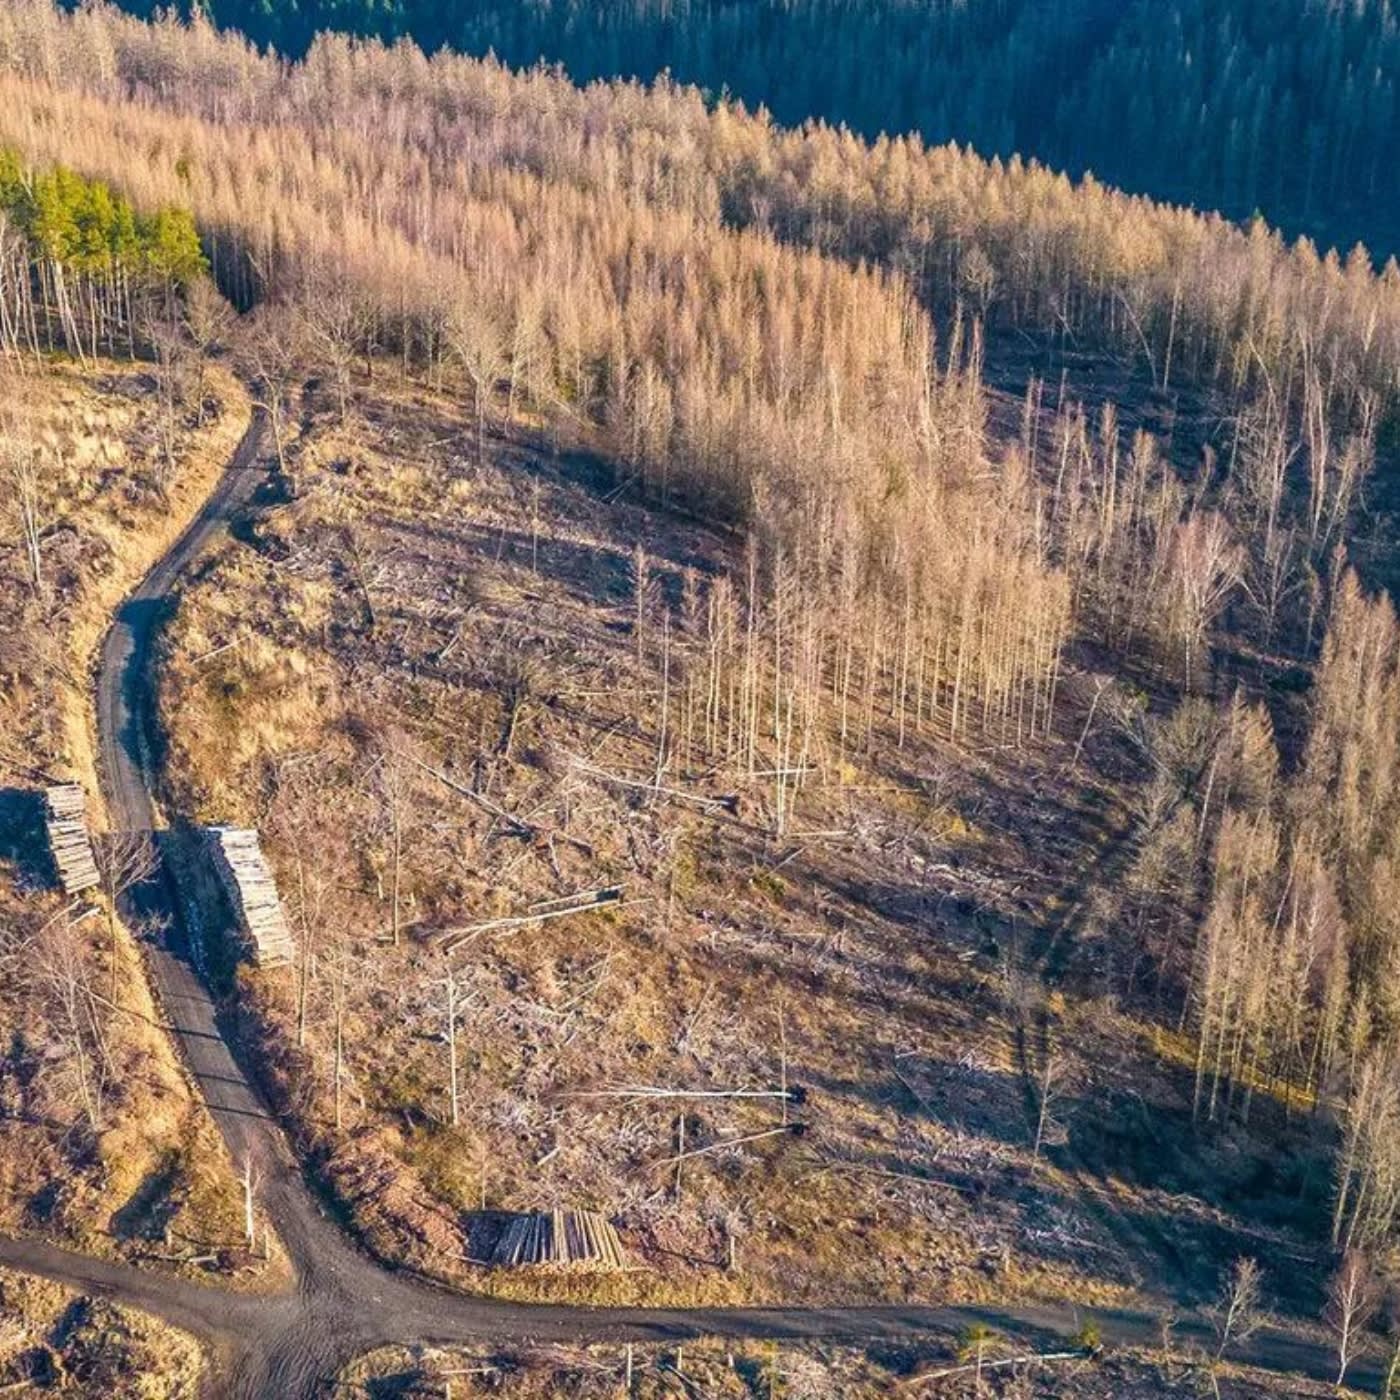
(1289, 108)
(918, 588)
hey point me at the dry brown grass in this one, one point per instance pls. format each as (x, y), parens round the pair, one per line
(60, 1342)
(157, 1156)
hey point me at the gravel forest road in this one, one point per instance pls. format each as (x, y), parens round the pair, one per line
(290, 1345)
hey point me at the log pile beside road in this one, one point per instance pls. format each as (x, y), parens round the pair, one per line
(251, 890)
(571, 1238)
(65, 821)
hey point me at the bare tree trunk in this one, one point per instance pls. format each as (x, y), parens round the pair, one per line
(339, 1047)
(251, 1181)
(452, 1045)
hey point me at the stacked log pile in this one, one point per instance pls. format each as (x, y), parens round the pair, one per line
(252, 891)
(570, 1238)
(65, 820)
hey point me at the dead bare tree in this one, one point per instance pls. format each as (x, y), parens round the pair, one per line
(21, 475)
(1351, 1302)
(334, 324)
(1051, 1086)
(392, 784)
(338, 993)
(450, 981)
(1236, 1314)
(251, 1180)
(1367, 1168)
(274, 354)
(208, 322)
(480, 346)
(1206, 568)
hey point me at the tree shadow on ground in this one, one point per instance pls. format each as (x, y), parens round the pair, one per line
(23, 843)
(151, 1208)
(597, 573)
(962, 1096)
(401, 1385)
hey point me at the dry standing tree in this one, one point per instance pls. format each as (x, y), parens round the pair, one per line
(1351, 1303)
(209, 322)
(273, 351)
(69, 982)
(1236, 1313)
(21, 477)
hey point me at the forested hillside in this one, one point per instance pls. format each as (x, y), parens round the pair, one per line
(930, 611)
(1284, 106)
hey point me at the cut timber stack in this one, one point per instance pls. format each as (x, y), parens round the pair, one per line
(251, 890)
(65, 820)
(572, 1238)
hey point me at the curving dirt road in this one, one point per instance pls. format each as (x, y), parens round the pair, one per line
(288, 1346)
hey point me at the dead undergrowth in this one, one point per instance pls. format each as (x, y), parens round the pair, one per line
(762, 1371)
(53, 1341)
(438, 688)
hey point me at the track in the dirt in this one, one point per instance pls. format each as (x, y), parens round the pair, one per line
(291, 1345)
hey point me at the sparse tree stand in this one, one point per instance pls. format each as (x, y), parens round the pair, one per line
(334, 324)
(68, 981)
(20, 474)
(1390, 1386)
(478, 343)
(209, 319)
(164, 331)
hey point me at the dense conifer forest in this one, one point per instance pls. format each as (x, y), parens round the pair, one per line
(1286, 108)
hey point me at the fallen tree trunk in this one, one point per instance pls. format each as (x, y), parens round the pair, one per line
(453, 938)
(980, 1366)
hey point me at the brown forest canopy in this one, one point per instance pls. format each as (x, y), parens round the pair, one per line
(1285, 106)
(1188, 295)
(744, 310)
(765, 384)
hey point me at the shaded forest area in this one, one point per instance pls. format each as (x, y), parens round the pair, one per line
(1288, 109)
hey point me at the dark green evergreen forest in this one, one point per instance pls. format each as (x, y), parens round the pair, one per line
(1283, 107)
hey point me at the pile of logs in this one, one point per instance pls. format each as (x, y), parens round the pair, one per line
(572, 1238)
(65, 820)
(253, 893)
